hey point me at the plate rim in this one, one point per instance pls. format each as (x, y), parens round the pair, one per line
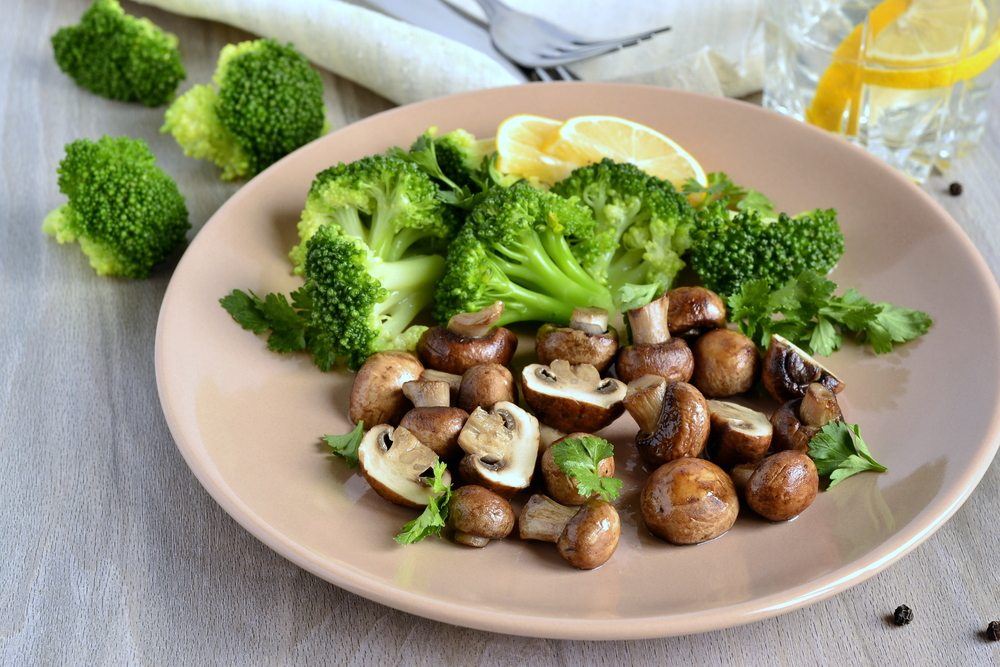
(342, 574)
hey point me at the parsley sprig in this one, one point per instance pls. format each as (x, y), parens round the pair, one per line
(435, 516)
(720, 188)
(346, 445)
(580, 459)
(839, 452)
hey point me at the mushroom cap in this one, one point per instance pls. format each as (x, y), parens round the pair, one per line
(572, 398)
(443, 350)
(477, 512)
(725, 363)
(591, 536)
(671, 360)
(789, 431)
(688, 501)
(377, 395)
(695, 309)
(576, 346)
(682, 428)
(485, 385)
(501, 447)
(788, 370)
(393, 462)
(437, 427)
(738, 434)
(559, 485)
(783, 486)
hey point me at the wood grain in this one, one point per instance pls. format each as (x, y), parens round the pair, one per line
(114, 554)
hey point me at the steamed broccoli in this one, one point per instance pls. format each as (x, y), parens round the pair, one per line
(643, 224)
(125, 212)
(730, 248)
(266, 102)
(516, 247)
(119, 56)
(388, 203)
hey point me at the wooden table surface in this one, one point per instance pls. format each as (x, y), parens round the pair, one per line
(112, 551)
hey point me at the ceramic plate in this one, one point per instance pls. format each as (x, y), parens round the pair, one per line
(247, 420)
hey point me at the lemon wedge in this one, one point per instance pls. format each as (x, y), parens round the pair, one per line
(520, 143)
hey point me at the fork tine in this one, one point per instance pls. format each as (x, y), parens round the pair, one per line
(559, 73)
(624, 39)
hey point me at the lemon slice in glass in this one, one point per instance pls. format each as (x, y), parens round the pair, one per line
(930, 32)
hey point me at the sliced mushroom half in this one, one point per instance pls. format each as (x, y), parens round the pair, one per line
(572, 398)
(738, 435)
(500, 447)
(788, 370)
(395, 463)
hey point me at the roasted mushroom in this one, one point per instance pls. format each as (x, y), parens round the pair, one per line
(559, 485)
(741, 476)
(394, 462)
(738, 434)
(587, 340)
(653, 351)
(585, 536)
(782, 486)
(468, 340)
(725, 363)
(432, 420)
(671, 427)
(484, 386)
(695, 309)
(788, 370)
(688, 501)
(476, 515)
(500, 447)
(572, 398)
(377, 395)
(791, 428)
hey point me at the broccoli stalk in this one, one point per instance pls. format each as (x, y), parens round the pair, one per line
(119, 56)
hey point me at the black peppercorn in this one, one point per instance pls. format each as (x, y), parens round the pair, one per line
(993, 631)
(955, 189)
(903, 615)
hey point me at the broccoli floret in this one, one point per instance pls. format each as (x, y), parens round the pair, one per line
(119, 56)
(730, 248)
(387, 202)
(125, 212)
(516, 247)
(460, 156)
(643, 224)
(266, 101)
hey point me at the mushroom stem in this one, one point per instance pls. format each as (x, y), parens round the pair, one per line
(453, 381)
(650, 323)
(477, 324)
(819, 406)
(644, 400)
(470, 540)
(427, 393)
(592, 321)
(544, 519)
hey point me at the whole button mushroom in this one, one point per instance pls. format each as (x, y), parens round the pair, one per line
(695, 309)
(797, 421)
(377, 395)
(501, 448)
(788, 370)
(653, 351)
(725, 363)
(393, 462)
(738, 434)
(559, 485)
(587, 340)
(469, 339)
(586, 536)
(572, 398)
(673, 419)
(688, 501)
(485, 385)
(782, 486)
(476, 515)
(432, 420)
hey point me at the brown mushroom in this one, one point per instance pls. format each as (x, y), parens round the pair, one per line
(432, 420)
(394, 463)
(725, 363)
(644, 399)
(741, 476)
(695, 309)
(563, 488)
(586, 536)
(819, 406)
(688, 501)
(738, 434)
(680, 421)
(501, 447)
(476, 515)
(377, 395)
(587, 340)
(782, 486)
(791, 430)
(469, 339)
(653, 351)
(485, 385)
(572, 398)
(788, 370)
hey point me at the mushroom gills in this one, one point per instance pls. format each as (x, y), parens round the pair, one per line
(581, 383)
(501, 447)
(395, 463)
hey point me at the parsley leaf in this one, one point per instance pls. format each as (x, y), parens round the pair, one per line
(346, 445)
(720, 188)
(245, 309)
(435, 516)
(286, 321)
(839, 452)
(580, 459)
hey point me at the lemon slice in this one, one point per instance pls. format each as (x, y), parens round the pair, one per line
(930, 32)
(588, 139)
(520, 143)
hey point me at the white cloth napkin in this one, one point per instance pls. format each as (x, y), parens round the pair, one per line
(714, 46)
